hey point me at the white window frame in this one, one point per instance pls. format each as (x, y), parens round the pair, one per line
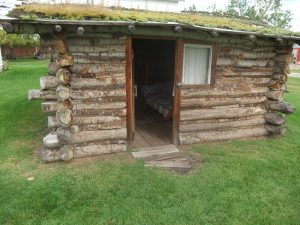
(199, 46)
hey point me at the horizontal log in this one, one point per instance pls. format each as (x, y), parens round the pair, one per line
(96, 150)
(41, 95)
(288, 58)
(285, 50)
(220, 113)
(243, 63)
(48, 82)
(194, 127)
(96, 94)
(98, 68)
(197, 92)
(86, 120)
(221, 101)
(82, 41)
(53, 106)
(89, 136)
(64, 60)
(283, 107)
(104, 81)
(98, 126)
(97, 48)
(98, 59)
(274, 129)
(210, 136)
(245, 41)
(228, 72)
(52, 122)
(98, 112)
(247, 48)
(244, 54)
(51, 141)
(99, 54)
(274, 119)
(275, 95)
(79, 105)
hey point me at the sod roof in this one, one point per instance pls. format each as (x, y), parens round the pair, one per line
(100, 13)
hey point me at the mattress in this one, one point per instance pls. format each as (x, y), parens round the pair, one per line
(159, 97)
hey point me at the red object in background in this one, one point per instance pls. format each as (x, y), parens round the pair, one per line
(296, 53)
(18, 52)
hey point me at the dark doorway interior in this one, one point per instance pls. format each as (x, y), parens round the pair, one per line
(153, 72)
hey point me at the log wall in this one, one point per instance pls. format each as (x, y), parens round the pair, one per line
(84, 94)
(249, 77)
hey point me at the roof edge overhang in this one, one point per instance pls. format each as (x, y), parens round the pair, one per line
(146, 24)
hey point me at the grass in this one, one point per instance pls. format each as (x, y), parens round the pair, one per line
(98, 12)
(241, 182)
(295, 71)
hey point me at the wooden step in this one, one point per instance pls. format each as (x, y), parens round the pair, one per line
(157, 151)
(169, 164)
(170, 156)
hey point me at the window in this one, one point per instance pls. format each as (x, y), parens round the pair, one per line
(197, 64)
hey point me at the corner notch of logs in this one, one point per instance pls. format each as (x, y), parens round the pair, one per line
(275, 119)
(55, 92)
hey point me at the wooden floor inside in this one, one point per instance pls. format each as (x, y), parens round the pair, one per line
(150, 128)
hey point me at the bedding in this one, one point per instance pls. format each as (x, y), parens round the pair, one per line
(160, 98)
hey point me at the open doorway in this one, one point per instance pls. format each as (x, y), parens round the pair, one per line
(153, 69)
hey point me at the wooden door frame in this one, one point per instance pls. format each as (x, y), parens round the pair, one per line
(178, 57)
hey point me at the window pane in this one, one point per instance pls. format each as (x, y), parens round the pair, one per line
(196, 64)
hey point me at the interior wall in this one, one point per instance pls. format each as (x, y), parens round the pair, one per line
(154, 61)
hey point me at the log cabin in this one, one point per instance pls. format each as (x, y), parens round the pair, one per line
(117, 80)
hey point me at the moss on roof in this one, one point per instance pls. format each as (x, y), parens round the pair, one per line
(100, 13)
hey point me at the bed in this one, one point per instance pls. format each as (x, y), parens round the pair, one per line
(160, 98)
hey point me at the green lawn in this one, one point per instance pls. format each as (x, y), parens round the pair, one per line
(296, 71)
(253, 182)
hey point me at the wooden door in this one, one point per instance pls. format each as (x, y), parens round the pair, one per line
(130, 90)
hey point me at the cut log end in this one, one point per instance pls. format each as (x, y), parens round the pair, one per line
(67, 154)
(275, 95)
(8, 27)
(274, 119)
(51, 141)
(63, 76)
(50, 155)
(283, 107)
(64, 117)
(63, 93)
(276, 130)
(48, 82)
(64, 60)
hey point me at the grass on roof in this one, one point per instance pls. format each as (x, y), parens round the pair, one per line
(98, 12)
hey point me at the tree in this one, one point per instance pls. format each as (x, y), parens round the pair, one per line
(18, 40)
(269, 11)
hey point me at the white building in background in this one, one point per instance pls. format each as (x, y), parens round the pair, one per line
(157, 5)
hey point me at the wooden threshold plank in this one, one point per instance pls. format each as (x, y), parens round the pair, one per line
(155, 151)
